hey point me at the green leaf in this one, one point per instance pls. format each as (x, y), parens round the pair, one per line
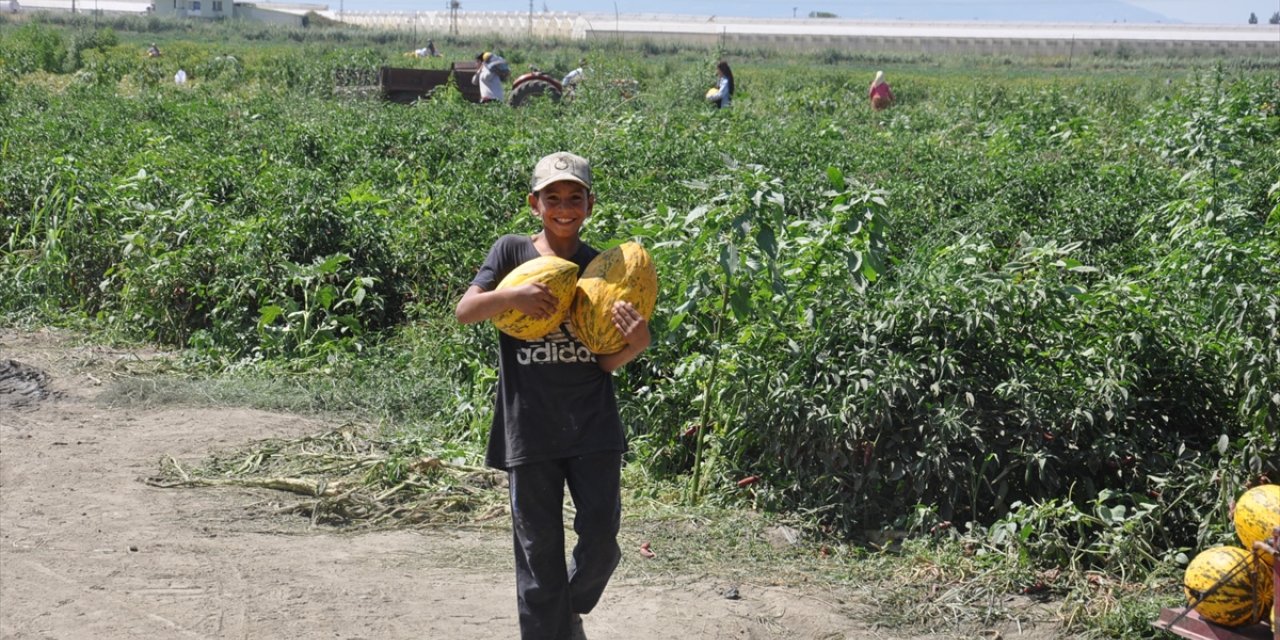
(740, 303)
(331, 264)
(853, 262)
(729, 258)
(695, 215)
(767, 241)
(869, 268)
(325, 296)
(675, 320)
(1117, 513)
(835, 178)
(268, 314)
(350, 323)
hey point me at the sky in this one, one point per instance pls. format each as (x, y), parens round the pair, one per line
(1190, 11)
(1211, 11)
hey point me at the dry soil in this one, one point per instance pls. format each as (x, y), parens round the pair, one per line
(90, 552)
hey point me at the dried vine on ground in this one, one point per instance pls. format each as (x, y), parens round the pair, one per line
(353, 479)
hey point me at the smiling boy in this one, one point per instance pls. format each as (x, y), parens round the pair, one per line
(556, 420)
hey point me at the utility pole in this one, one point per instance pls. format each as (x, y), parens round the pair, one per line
(530, 19)
(453, 16)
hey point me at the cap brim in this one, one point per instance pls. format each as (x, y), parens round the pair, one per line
(557, 178)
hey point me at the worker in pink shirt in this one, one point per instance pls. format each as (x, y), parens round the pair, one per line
(881, 95)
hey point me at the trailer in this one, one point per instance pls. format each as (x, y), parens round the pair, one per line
(406, 85)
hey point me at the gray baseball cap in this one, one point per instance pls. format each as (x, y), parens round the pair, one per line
(561, 166)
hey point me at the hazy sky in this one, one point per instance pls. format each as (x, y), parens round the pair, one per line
(1196, 11)
(1211, 11)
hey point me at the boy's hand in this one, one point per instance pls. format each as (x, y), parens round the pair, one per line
(632, 325)
(635, 331)
(534, 300)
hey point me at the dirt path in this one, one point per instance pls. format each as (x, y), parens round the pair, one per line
(87, 551)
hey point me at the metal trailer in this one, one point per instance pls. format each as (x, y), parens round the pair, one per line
(405, 85)
(1187, 623)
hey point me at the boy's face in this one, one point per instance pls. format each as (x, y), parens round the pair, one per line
(563, 206)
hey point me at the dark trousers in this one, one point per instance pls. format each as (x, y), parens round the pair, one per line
(548, 593)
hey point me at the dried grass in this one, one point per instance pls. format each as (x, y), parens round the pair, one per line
(346, 477)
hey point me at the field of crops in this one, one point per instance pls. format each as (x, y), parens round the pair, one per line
(1037, 300)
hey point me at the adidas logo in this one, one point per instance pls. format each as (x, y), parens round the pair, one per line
(556, 348)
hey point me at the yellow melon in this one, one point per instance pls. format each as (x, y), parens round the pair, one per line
(1265, 591)
(559, 275)
(1257, 514)
(1224, 583)
(623, 273)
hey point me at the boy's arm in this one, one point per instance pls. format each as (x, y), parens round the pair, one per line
(533, 299)
(635, 331)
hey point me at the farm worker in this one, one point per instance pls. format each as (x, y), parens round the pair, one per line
(153, 51)
(881, 95)
(180, 77)
(556, 419)
(721, 94)
(431, 48)
(488, 79)
(572, 78)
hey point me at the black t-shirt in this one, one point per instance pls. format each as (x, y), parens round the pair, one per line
(554, 400)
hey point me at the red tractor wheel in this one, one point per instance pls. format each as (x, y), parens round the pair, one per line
(531, 85)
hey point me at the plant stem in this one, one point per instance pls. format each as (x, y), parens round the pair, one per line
(695, 486)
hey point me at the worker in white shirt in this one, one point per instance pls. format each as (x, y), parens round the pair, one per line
(488, 78)
(574, 77)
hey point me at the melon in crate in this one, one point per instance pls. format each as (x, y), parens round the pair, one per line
(559, 275)
(1265, 593)
(1226, 584)
(1257, 514)
(623, 273)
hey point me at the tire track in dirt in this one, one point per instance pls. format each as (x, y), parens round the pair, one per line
(115, 602)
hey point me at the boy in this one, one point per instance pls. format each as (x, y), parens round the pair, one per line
(556, 420)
